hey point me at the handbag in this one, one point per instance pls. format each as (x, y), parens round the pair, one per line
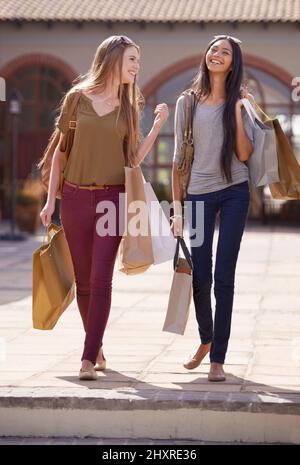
(263, 162)
(187, 147)
(287, 187)
(181, 291)
(65, 147)
(53, 281)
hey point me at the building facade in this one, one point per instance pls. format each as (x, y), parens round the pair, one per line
(44, 46)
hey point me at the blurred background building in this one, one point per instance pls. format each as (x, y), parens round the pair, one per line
(45, 44)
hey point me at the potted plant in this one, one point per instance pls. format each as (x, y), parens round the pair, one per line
(28, 207)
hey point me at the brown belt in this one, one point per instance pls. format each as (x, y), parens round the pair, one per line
(91, 188)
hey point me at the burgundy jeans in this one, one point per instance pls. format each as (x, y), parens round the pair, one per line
(93, 258)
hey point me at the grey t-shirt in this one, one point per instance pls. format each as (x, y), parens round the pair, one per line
(206, 175)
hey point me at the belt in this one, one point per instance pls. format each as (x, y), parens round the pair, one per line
(90, 188)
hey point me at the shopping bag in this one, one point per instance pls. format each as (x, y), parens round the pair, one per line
(263, 162)
(53, 282)
(162, 238)
(287, 187)
(135, 251)
(181, 291)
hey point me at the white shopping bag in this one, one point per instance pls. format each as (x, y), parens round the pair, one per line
(163, 241)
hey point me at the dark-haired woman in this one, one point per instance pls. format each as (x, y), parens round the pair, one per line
(223, 142)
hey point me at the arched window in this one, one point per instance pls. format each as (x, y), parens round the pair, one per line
(41, 87)
(41, 80)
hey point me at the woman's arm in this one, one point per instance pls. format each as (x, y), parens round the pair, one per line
(243, 146)
(162, 113)
(176, 191)
(177, 225)
(54, 180)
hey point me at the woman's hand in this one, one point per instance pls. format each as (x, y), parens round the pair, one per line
(162, 113)
(46, 214)
(243, 94)
(177, 226)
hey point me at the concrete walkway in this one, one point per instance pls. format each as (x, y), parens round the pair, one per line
(145, 392)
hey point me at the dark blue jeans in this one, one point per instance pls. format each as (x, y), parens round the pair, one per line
(232, 204)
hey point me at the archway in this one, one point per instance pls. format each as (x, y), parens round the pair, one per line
(41, 81)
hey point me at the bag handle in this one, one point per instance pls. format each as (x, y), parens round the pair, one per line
(180, 242)
(261, 111)
(250, 111)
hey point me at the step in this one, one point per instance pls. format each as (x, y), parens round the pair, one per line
(173, 415)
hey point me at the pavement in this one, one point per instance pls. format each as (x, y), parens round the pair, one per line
(146, 392)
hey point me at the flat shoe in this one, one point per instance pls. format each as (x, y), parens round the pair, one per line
(216, 378)
(88, 375)
(194, 361)
(100, 366)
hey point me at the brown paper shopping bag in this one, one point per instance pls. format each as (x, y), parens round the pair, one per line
(135, 252)
(53, 282)
(288, 187)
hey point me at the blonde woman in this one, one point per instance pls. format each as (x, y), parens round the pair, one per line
(107, 137)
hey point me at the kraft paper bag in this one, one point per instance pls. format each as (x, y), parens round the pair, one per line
(135, 251)
(53, 281)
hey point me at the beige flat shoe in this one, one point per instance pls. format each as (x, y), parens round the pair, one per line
(100, 366)
(216, 377)
(194, 361)
(88, 375)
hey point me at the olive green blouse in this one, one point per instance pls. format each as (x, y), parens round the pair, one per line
(97, 154)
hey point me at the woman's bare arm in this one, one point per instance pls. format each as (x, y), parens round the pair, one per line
(54, 181)
(55, 173)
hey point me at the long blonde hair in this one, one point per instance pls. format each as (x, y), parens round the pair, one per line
(107, 61)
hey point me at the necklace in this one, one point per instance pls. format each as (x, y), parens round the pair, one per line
(106, 102)
(109, 101)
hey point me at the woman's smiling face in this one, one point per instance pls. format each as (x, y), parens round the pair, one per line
(219, 57)
(131, 65)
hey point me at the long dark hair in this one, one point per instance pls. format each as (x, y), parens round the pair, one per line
(202, 88)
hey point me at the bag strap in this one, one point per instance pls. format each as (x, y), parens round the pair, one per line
(254, 107)
(189, 107)
(71, 115)
(180, 242)
(250, 110)
(261, 111)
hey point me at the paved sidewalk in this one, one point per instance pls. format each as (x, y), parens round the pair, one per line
(144, 363)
